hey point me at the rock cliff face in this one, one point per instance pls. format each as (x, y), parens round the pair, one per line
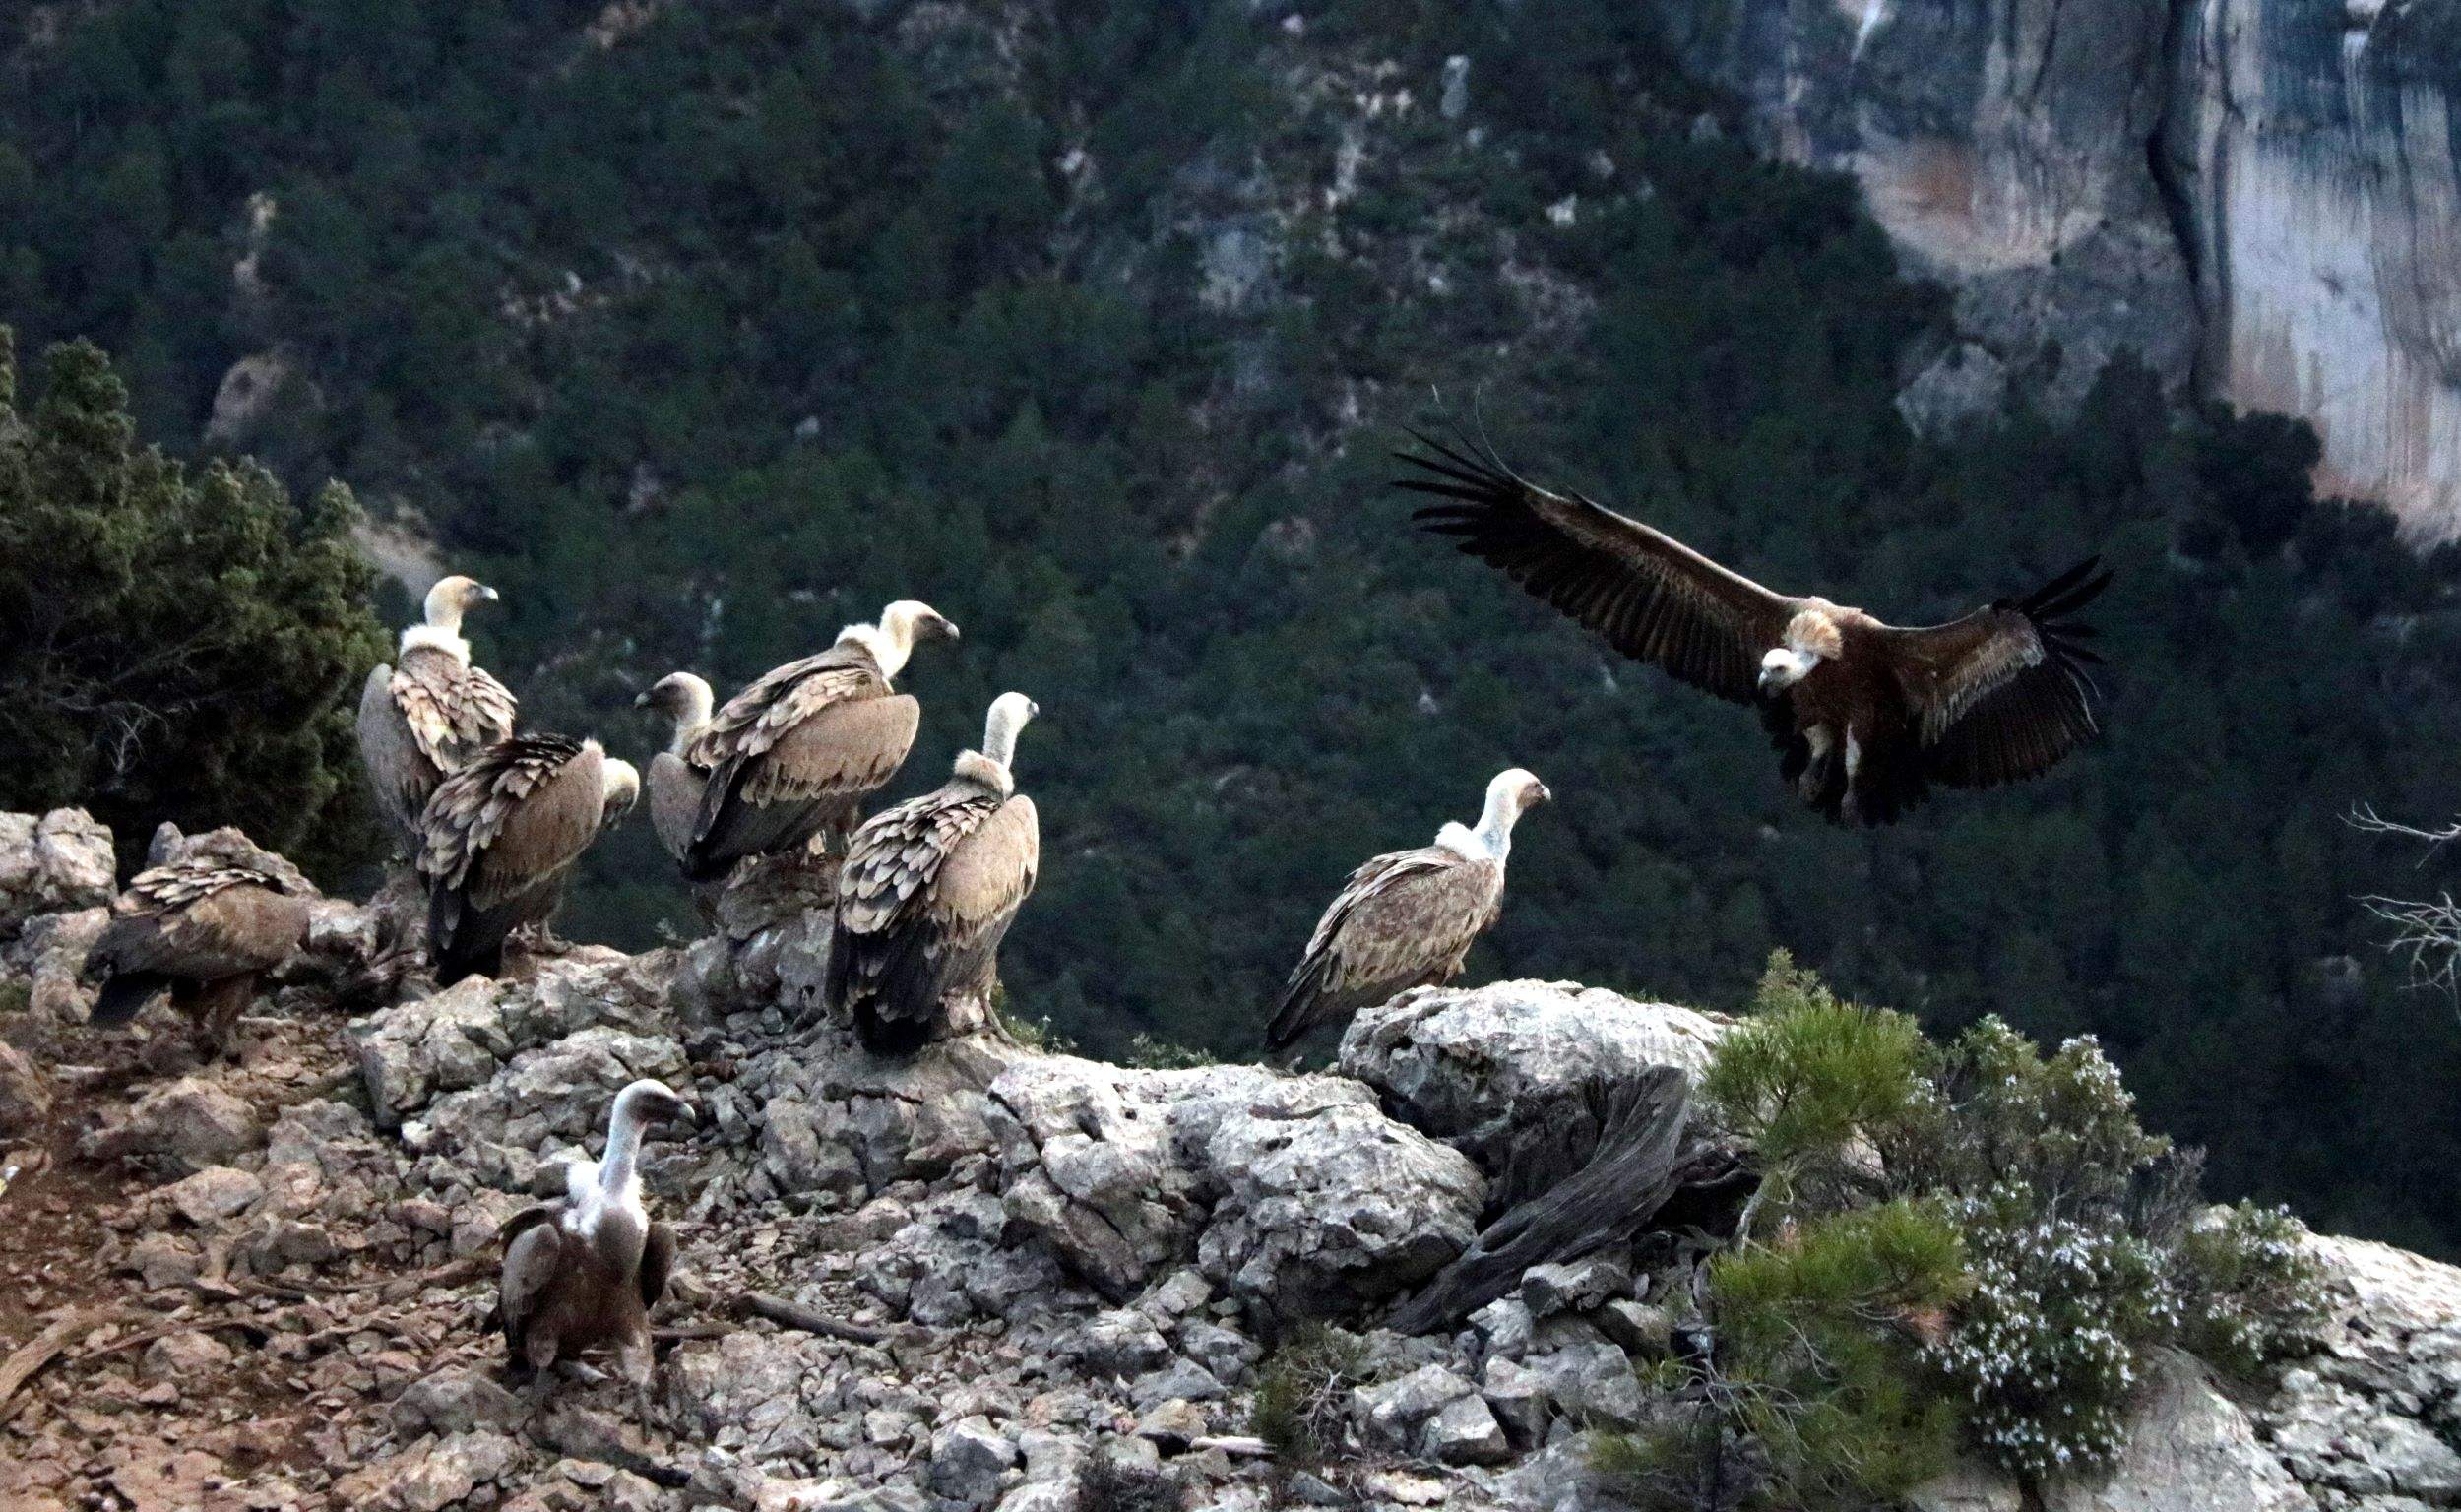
(2259, 198)
(269, 1280)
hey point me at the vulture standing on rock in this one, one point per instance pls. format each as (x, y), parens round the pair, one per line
(203, 930)
(430, 714)
(1405, 920)
(584, 1273)
(928, 889)
(676, 783)
(498, 840)
(1867, 714)
(795, 754)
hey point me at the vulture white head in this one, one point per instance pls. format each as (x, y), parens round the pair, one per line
(611, 1181)
(1510, 794)
(991, 765)
(1811, 637)
(454, 597)
(902, 626)
(621, 787)
(682, 698)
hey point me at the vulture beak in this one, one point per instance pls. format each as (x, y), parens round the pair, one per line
(1033, 711)
(1546, 794)
(680, 1112)
(487, 594)
(641, 700)
(945, 630)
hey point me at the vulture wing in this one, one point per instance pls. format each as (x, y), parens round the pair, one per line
(950, 940)
(400, 774)
(1653, 598)
(657, 1262)
(2002, 694)
(196, 921)
(453, 711)
(752, 720)
(1401, 919)
(836, 753)
(883, 964)
(497, 840)
(533, 1257)
(676, 789)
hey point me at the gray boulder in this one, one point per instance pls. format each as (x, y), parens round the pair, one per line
(50, 864)
(1477, 1066)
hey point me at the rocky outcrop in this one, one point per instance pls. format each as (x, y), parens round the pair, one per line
(2260, 198)
(51, 863)
(1024, 1264)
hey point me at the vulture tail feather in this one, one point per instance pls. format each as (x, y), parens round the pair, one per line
(125, 995)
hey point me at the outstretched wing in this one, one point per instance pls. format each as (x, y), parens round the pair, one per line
(2002, 694)
(1653, 598)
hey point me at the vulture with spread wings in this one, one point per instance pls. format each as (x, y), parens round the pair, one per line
(1867, 715)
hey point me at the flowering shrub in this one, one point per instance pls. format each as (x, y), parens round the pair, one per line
(2044, 1354)
(2254, 1293)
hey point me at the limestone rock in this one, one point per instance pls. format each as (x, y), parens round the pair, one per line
(1477, 1066)
(189, 1124)
(50, 864)
(25, 1093)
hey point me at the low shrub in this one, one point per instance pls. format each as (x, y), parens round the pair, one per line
(1302, 1395)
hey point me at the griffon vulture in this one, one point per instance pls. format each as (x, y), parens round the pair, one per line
(928, 889)
(622, 792)
(433, 712)
(584, 1273)
(1867, 714)
(202, 930)
(1407, 919)
(498, 839)
(795, 753)
(676, 783)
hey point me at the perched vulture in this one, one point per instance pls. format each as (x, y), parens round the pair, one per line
(928, 889)
(498, 839)
(584, 1273)
(427, 716)
(795, 753)
(1405, 920)
(676, 783)
(1865, 714)
(201, 929)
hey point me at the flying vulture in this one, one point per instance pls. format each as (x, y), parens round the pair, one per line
(1407, 919)
(203, 930)
(676, 783)
(585, 1272)
(928, 889)
(427, 716)
(1867, 714)
(795, 753)
(497, 841)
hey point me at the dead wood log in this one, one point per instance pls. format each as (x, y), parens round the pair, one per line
(1631, 1172)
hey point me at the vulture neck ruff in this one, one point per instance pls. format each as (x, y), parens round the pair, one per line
(983, 771)
(886, 649)
(1491, 840)
(436, 637)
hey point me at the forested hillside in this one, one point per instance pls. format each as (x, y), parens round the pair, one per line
(701, 329)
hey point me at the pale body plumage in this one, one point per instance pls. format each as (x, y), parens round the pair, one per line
(795, 754)
(1406, 919)
(430, 712)
(498, 840)
(202, 930)
(584, 1273)
(930, 889)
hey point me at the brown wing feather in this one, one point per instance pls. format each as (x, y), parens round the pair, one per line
(202, 920)
(849, 749)
(544, 834)
(657, 1262)
(754, 719)
(400, 774)
(676, 789)
(1653, 598)
(533, 1257)
(2001, 694)
(474, 808)
(988, 874)
(1401, 918)
(453, 711)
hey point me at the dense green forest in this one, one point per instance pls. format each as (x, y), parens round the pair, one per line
(701, 330)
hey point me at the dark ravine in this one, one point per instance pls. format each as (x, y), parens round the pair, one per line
(937, 1283)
